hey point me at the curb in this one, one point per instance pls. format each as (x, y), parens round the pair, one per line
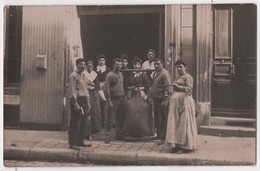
(112, 157)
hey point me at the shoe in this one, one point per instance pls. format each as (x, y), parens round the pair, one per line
(119, 138)
(160, 142)
(74, 147)
(181, 151)
(84, 145)
(107, 140)
(88, 138)
(175, 149)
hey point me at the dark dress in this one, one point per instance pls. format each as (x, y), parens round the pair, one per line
(139, 80)
(139, 117)
(103, 105)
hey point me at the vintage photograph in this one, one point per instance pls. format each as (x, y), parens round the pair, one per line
(129, 85)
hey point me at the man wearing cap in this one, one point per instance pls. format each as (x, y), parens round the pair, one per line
(160, 91)
(80, 106)
(149, 64)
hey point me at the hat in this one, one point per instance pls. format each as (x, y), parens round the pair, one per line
(80, 60)
(124, 56)
(117, 60)
(102, 56)
(151, 50)
(180, 62)
(90, 62)
(137, 59)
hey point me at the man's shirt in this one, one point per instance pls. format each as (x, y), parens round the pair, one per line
(148, 65)
(77, 86)
(114, 84)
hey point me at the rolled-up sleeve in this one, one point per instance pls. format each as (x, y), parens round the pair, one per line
(72, 89)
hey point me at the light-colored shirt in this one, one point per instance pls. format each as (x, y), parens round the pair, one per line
(77, 86)
(148, 65)
(186, 81)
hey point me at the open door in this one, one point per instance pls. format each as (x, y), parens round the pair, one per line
(234, 61)
(117, 30)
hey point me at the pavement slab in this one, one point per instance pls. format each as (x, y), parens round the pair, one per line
(211, 150)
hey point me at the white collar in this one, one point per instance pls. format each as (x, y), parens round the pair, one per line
(91, 76)
(101, 68)
(137, 74)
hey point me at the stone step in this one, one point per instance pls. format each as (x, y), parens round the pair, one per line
(13, 100)
(233, 121)
(227, 131)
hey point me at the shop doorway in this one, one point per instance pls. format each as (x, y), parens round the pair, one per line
(114, 31)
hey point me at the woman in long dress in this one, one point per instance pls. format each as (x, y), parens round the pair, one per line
(181, 125)
(137, 80)
(102, 70)
(94, 125)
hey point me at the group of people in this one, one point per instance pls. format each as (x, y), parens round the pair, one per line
(98, 97)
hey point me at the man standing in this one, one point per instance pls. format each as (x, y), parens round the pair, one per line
(149, 64)
(160, 91)
(80, 106)
(126, 75)
(115, 96)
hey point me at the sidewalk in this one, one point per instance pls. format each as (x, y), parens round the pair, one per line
(53, 146)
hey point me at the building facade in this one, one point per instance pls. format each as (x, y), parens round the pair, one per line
(218, 43)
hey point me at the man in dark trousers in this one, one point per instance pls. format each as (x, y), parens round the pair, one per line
(115, 95)
(80, 106)
(160, 91)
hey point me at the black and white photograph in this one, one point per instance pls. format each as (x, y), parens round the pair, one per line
(88, 85)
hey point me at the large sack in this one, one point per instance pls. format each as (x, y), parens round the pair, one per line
(138, 118)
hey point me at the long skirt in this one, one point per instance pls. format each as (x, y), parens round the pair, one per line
(181, 124)
(94, 125)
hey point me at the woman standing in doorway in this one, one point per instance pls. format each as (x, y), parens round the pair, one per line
(137, 80)
(95, 123)
(181, 125)
(102, 71)
(139, 116)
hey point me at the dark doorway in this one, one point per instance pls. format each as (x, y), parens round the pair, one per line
(117, 34)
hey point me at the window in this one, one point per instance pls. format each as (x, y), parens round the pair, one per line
(12, 63)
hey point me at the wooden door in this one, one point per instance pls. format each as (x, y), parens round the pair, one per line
(234, 61)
